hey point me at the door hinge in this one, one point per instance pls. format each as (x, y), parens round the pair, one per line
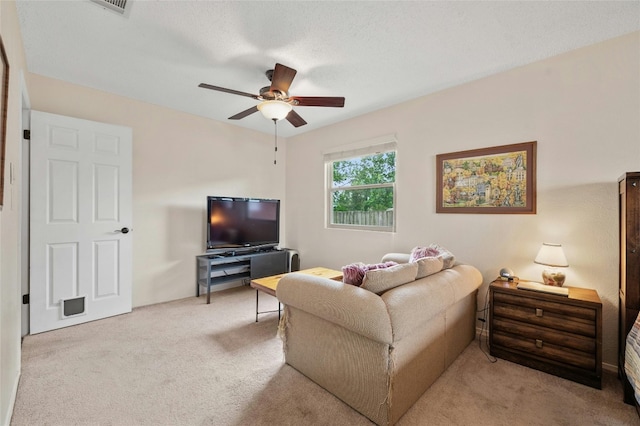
(26, 134)
(25, 299)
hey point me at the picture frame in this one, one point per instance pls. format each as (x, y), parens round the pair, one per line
(496, 180)
(4, 99)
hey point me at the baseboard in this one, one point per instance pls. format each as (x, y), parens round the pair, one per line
(7, 420)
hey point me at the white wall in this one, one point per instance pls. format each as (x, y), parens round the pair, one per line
(178, 159)
(582, 107)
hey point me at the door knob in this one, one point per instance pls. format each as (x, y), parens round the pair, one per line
(124, 230)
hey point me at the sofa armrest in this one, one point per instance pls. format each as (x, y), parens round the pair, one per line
(351, 307)
(396, 257)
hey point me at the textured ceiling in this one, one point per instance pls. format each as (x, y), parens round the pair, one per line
(375, 54)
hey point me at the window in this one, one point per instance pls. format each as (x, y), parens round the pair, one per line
(361, 187)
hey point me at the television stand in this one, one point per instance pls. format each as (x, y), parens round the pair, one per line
(214, 269)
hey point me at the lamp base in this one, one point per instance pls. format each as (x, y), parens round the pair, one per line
(553, 277)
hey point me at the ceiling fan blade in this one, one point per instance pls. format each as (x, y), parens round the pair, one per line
(282, 78)
(222, 89)
(295, 119)
(244, 113)
(319, 101)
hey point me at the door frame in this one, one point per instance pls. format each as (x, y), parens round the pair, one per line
(23, 217)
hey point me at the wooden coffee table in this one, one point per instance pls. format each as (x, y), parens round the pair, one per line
(269, 284)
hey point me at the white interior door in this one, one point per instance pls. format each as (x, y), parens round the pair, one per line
(80, 218)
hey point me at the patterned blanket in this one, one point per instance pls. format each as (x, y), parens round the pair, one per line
(632, 358)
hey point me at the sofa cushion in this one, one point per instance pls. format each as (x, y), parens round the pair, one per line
(354, 273)
(433, 250)
(429, 266)
(381, 280)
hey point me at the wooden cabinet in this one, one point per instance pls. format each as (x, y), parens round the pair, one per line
(629, 288)
(556, 334)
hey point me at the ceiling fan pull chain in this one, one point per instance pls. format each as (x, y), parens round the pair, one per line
(275, 151)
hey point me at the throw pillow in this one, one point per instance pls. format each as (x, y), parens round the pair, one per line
(381, 280)
(429, 266)
(354, 273)
(433, 250)
(420, 252)
(447, 257)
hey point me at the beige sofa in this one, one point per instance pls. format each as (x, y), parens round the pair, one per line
(378, 353)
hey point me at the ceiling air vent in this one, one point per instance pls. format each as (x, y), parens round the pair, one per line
(121, 7)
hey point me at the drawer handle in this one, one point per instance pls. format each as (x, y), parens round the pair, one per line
(539, 312)
(538, 343)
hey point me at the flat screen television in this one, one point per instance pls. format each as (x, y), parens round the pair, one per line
(242, 223)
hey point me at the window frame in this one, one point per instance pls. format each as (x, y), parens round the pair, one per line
(365, 148)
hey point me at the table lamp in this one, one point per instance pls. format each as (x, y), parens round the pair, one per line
(552, 255)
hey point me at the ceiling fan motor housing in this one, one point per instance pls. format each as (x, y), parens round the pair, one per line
(273, 95)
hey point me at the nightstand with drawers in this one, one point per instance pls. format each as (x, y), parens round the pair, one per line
(560, 335)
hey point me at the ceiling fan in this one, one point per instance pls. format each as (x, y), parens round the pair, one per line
(275, 102)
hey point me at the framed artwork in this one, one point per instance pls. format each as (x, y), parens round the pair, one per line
(4, 97)
(501, 179)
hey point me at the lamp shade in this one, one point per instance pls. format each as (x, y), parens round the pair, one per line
(274, 110)
(551, 255)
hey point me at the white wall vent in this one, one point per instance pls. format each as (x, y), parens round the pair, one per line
(121, 7)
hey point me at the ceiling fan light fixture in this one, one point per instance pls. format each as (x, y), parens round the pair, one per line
(274, 110)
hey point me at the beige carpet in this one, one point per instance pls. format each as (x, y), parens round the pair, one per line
(188, 363)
